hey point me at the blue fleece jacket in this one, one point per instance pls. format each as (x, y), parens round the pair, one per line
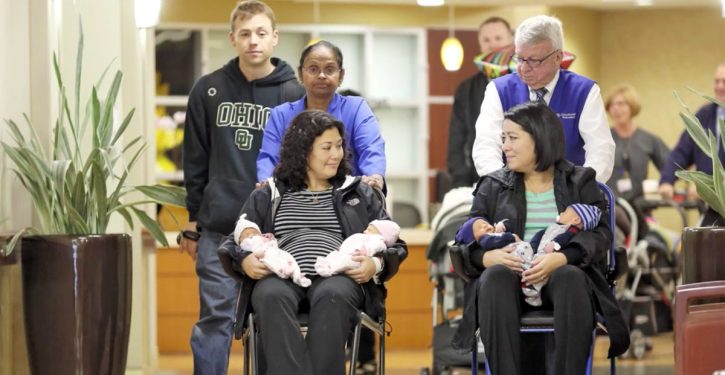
(362, 135)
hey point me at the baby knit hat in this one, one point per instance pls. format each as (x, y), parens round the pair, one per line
(588, 214)
(388, 229)
(243, 224)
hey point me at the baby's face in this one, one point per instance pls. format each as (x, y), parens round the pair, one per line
(248, 232)
(371, 230)
(569, 217)
(487, 228)
(481, 228)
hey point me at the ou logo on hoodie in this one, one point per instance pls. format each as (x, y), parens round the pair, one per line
(243, 139)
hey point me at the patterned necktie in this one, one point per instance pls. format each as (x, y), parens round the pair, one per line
(540, 93)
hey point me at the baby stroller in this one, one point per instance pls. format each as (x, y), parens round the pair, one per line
(645, 293)
(448, 293)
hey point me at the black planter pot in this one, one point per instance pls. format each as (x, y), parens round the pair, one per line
(77, 302)
(703, 254)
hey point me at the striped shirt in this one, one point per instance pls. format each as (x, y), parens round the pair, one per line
(541, 212)
(306, 226)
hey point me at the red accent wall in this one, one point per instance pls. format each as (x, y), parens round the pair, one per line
(444, 83)
(441, 81)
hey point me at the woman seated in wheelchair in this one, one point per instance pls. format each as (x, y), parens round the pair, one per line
(311, 205)
(537, 183)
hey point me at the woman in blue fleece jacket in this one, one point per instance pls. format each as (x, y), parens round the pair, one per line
(321, 72)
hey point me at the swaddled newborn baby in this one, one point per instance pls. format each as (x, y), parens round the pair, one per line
(265, 248)
(379, 235)
(575, 218)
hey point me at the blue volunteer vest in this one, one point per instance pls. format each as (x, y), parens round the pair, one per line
(567, 101)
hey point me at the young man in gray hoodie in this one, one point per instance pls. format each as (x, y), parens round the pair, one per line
(225, 119)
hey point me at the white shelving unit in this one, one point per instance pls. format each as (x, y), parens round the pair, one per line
(387, 66)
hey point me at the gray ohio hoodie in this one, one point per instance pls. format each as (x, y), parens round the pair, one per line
(225, 120)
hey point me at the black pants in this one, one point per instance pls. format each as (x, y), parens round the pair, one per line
(500, 303)
(334, 302)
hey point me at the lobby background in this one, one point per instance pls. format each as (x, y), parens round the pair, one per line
(655, 50)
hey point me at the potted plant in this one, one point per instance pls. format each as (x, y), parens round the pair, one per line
(6, 257)
(76, 277)
(703, 255)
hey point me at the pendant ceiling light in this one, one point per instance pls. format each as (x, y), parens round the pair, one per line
(430, 3)
(451, 49)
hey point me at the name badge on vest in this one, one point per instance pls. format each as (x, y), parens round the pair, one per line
(567, 116)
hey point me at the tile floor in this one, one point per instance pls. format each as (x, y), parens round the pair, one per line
(658, 361)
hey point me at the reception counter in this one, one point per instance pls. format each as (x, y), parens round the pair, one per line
(409, 296)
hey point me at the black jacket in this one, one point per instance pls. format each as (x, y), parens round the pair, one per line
(501, 195)
(462, 129)
(225, 120)
(356, 205)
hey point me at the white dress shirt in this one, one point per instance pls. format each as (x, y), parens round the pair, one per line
(593, 128)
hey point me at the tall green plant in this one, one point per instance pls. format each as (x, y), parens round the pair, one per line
(711, 188)
(82, 181)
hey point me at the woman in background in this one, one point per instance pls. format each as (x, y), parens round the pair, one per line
(635, 147)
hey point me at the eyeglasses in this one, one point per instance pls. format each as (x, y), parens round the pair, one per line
(329, 71)
(533, 63)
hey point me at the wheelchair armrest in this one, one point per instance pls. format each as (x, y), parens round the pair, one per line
(369, 323)
(461, 261)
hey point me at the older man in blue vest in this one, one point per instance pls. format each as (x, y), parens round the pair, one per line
(575, 99)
